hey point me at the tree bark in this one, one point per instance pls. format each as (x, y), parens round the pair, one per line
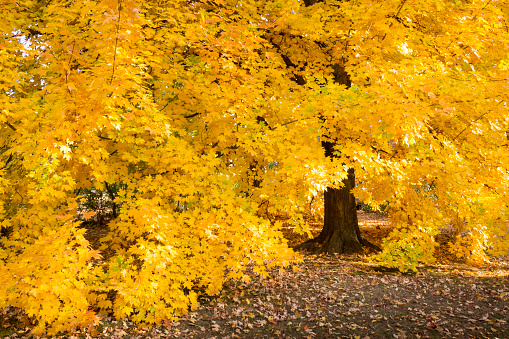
(340, 233)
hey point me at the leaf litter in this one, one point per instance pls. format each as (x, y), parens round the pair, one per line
(334, 297)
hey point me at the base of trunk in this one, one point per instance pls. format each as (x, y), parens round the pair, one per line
(335, 244)
(340, 233)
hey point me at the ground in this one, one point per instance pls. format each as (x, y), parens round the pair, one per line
(337, 297)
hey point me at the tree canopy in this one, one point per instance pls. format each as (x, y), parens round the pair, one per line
(199, 119)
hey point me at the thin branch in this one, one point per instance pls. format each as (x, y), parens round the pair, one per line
(290, 122)
(116, 42)
(11, 127)
(191, 115)
(3, 150)
(7, 162)
(486, 4)
(392, 156)
(400, 8)
(380, 150)
(168, 102)
(286, 123)
(69, 68)
(470, 124)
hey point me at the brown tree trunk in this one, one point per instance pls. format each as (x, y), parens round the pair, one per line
(340, 233)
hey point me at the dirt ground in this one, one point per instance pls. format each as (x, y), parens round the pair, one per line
(337, 297)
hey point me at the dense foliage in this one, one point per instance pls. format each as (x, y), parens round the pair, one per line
(195, 121)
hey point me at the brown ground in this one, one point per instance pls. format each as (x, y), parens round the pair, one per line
(338, 297)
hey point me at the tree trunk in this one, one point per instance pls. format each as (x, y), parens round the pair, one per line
(340, 233)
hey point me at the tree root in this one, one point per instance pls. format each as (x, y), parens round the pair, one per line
(317, 247)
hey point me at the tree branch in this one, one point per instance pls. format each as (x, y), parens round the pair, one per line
(191, 115)
(400, 8)
(116, 42)
(11, 127)
(470, 124)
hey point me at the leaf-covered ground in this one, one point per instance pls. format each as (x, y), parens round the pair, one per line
(337, 297)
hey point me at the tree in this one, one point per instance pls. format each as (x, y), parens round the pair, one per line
(340, 233)
(204, 115)
(394, 53)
